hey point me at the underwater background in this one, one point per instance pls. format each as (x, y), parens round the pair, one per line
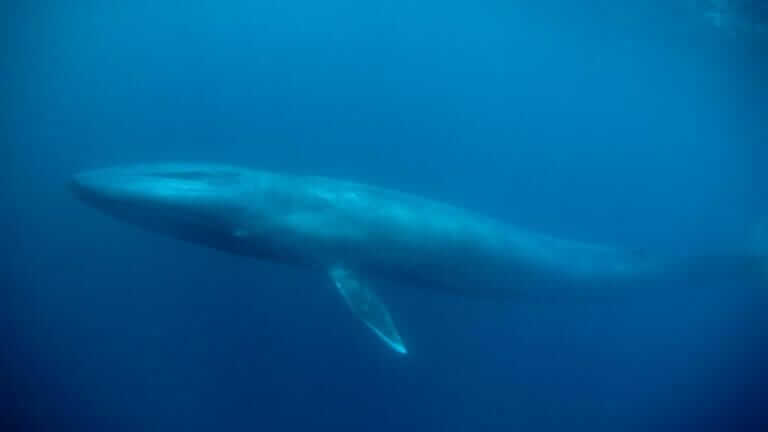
(635, 123)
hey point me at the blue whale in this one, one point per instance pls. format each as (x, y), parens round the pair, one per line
(362, 236)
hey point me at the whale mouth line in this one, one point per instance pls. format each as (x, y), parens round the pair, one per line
(122, 182)
(210, 176)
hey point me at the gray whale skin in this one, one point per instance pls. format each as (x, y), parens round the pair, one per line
(361, 236)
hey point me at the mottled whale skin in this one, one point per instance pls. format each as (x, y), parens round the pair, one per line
(360, 235)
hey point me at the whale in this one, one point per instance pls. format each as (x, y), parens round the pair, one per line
(364, 237)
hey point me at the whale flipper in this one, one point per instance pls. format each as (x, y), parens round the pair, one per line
(367, 306)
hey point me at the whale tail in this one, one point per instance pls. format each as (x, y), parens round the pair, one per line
(747, 263)
(760, 248)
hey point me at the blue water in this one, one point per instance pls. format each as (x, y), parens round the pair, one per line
(635, 123)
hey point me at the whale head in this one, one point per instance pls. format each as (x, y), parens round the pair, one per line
(196, 202)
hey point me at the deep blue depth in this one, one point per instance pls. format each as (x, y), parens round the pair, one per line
(633, 123)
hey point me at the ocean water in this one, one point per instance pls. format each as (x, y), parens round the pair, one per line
(635, 123)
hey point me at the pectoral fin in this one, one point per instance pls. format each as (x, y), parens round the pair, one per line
(367, 306)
